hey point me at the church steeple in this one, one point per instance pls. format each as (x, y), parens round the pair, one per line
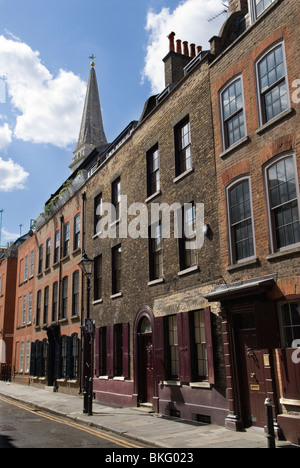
(91, 131)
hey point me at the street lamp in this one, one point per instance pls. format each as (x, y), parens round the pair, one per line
(86, 266)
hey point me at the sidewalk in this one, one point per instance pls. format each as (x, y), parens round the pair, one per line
(135, 424)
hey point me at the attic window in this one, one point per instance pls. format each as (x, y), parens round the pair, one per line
(259, 6)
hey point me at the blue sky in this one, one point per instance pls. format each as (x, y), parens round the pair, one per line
(44, 67)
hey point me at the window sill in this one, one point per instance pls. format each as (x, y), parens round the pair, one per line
(234, 147)
(98, 301)
(284, 253)
(65, 258)
(188, 271)
(153, 196)
(200, 385)
(76, 252)
(157, 281)
(183, 175)
(120, 379)
(245, 264)
(274, 121)
(171, 383)
(75, 317)
(63, 321)
(285, 401)
(117, 295)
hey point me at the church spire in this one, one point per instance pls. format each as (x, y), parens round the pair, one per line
(91, 132)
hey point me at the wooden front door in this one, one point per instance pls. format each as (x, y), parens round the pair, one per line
(146, 374)
(252, 378)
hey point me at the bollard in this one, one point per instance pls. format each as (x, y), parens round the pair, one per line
(85, 395)
(270, 424)
(90, 398)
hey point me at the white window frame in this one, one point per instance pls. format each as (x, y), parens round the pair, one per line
(24, 306)
(27, 357)
(26, 268)
(232, 256)
(31, 269)
(21, 362)
(29, 318)
(254, 15)
(271, 227)
(261, 110)
(226, 146)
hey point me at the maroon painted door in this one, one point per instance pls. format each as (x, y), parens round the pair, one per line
(146, 374)
(253, 380)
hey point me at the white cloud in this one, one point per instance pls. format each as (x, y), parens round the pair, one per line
(5, 135)
(12, 176)
(190, 23)
(49, 107)
(7, 237)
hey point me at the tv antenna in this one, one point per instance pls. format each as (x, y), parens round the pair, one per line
(223, 12)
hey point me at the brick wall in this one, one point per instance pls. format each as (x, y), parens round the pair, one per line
(261, 146)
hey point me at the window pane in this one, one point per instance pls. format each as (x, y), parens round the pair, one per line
(273, 85)
(241, 221)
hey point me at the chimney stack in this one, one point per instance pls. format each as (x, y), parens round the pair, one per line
(175, 62)
(193, 50)
(238, 5)
(171, 39)
(178, 46)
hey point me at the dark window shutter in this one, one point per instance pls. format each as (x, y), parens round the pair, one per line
(184, 347)
(110, 350)
(32, 359)
(125, 364)
(159, 352)
(57, 364)
(209, 345)
(69, 357)
(97, 352)
(39, 359)
(290, 375)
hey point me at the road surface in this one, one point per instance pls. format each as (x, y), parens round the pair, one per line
(23, 427)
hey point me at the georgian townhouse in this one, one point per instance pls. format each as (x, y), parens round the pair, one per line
(24, 303)
(256, 124)
(158, 340)
(8, 268)
(58, 314)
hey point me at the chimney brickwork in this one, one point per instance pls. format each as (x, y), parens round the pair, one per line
(178, 58)
(238, 5)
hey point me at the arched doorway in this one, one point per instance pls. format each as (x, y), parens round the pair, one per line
(145, 362)
(144, 381)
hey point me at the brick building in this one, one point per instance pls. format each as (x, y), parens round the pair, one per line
(58, 315)
(256, 124)
(8, 282)
(158, 342)
(25, 298)
(201, 320)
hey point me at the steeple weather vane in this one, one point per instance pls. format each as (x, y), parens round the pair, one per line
(92, 57)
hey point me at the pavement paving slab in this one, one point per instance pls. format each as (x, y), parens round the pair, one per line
(155, 430)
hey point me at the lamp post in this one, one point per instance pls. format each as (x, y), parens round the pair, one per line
(86, 266)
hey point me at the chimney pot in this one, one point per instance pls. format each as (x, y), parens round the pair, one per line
(186, 48)
(171, 39)
(193, 50)
(199, 50)
(178, 46)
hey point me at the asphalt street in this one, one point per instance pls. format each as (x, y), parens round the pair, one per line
(23, 427)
